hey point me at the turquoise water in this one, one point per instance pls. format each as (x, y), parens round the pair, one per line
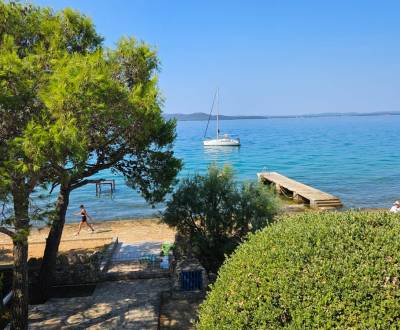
(355, 158)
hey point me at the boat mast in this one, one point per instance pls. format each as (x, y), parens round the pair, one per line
(209, 116)
(217, 113)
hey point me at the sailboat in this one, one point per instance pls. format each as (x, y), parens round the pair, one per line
(222, 140)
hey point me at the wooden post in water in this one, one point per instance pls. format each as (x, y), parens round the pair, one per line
(101, 182)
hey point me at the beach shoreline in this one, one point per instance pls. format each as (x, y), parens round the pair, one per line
(129, 231)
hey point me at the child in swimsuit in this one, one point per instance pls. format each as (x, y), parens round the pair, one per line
(84, 216)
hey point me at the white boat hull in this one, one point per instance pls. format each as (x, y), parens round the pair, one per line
(228, 142)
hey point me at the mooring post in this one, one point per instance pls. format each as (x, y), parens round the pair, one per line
(313, 204)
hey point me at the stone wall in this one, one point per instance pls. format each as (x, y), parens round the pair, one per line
(190, 265)
(78, 268)
(73, 268)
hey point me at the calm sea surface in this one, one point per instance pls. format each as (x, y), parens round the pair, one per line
(355, 158)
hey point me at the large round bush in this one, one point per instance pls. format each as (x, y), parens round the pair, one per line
(313, 270)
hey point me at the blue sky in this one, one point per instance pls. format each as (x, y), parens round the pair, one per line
(267, 57)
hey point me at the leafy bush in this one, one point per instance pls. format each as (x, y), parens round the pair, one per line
(213, 214)
(312, 271)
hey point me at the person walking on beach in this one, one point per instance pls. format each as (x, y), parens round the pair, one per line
(395, 208)
(84, 216)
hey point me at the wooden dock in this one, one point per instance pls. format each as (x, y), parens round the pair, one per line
(299, 191)
(100, 182)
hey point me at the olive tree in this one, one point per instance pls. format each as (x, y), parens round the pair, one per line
(212, 214)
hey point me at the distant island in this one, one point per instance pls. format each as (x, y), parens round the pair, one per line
(199, 116)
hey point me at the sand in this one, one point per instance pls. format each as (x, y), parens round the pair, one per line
(127, 231)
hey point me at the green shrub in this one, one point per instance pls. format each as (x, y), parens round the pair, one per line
(312, 271)
(213, 214)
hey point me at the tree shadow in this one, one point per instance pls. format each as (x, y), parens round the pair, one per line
(127, 304)
(102, 231)
(84, 250)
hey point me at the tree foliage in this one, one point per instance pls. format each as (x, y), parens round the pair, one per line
(113, 101)
(69, 109)
(118, 124)
(214, 213)
(311, 271)
(32, 39)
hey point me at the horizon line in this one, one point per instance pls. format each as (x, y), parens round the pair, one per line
(322, 114)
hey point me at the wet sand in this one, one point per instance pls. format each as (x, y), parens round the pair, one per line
(127, 231)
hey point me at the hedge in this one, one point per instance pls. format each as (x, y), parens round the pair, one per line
(311, 270)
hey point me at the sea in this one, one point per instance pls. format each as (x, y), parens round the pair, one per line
(356, 158)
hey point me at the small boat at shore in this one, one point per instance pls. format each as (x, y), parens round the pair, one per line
(223, 140)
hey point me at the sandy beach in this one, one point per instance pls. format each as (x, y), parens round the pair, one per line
(127, 231)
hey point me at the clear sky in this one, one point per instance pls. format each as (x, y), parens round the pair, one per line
(267, 57)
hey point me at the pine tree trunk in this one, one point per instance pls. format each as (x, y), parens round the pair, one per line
(20, 286)
(19, 309)
(46, 275)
